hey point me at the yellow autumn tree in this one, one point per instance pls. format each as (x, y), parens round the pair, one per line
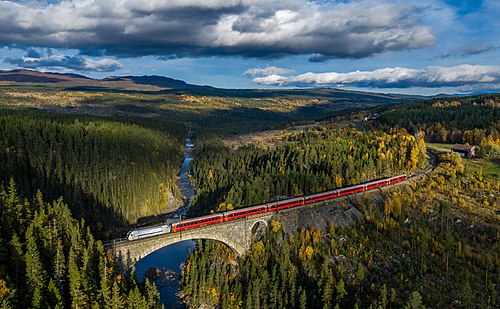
(308, 252)
(258, 248)
(4, 290)
(275, 226)
(339, 181)
(414, 152)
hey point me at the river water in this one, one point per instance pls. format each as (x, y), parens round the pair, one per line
(165, 264)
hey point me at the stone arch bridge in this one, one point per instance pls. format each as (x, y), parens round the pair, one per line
(237, 234)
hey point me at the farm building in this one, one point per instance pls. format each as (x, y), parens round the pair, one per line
(465, 151)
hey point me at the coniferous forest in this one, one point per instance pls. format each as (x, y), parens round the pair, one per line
(473, 120)
(48, 259)
(111, 171)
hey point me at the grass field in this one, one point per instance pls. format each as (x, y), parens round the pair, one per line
(440, 147)
(490, 165)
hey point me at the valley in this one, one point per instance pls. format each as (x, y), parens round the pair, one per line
(249, 154)
(92, 164)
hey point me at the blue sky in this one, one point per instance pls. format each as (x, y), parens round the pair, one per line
(424, 47)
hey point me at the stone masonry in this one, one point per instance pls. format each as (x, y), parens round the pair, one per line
(237, 234)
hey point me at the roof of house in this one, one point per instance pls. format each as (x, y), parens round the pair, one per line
(462, 147)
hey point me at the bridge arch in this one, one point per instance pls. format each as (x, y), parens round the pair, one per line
(258, 229)
(238, 249)
(152, 251)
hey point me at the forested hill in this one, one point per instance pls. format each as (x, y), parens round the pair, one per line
(474, 120)
(311, 161)
(111, 173)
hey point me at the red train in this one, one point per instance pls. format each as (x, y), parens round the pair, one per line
(258, 209)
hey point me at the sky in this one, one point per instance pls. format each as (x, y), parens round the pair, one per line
(402, 46)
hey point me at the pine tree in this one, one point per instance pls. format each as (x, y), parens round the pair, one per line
(152, 295)
(328, 290)
(341, 292)
(116, 297)
(415, 301)
(78, 297)
(35, 272)
(135, 299)
(54, 297)
(37, 299)
(383, 297)
(303, 298)
(59, 267)
(17, 262)
(466, 293)
(105, 291)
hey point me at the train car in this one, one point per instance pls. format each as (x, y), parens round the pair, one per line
(398, 178)
(379, 183)
(375, 184)
(196, 222)
(319, 197)
(285, 204)
(244, 212)
(352, 190)
(149, 231)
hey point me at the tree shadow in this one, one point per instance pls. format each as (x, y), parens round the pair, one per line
(104, 222)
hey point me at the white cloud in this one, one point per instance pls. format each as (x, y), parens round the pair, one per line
(251, 28)
(101, 65)
(471, 76)
(269, 70)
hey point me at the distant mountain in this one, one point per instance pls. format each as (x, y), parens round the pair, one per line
(161, 84)
(29, 76)
(156, 80)
(72, 81)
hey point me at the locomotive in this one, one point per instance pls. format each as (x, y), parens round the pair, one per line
(151, 231)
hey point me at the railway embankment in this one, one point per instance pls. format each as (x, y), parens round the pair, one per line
(319, 217)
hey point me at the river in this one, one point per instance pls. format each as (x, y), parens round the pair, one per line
(165, 264)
